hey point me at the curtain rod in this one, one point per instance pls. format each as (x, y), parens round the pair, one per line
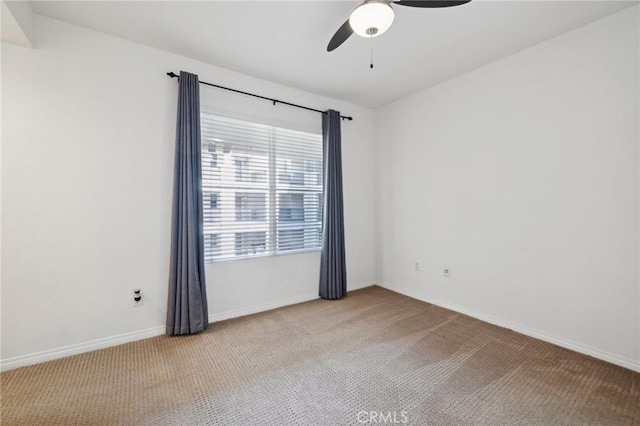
(275, 101)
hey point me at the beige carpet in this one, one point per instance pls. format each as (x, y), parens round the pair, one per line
(373, 356)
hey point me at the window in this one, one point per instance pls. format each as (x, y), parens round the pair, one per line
(250, 243)
(291, 239)
(213, 247)
(258, 177)
(213, 203)
(262, 188)
(213, 156)
(313, 169)
(250, 206)
(211, 210)
(291, 207)
(213, 241)
(242, 165)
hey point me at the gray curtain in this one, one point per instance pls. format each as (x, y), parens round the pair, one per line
(333, 268)
(187, 304)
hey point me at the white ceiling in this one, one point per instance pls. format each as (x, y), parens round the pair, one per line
(285, 41)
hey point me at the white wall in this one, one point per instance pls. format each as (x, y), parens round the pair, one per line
(522, 177)
(88, 136)
(16, 19)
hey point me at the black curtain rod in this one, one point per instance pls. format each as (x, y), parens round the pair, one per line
(275, 101)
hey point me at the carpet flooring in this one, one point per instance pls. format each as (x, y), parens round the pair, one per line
(375, 357)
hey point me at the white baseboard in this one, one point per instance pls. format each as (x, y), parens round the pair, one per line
(577, 347)
(79, 348)
(92, 345)
(261, 308)
(358, 286)
(276, 304)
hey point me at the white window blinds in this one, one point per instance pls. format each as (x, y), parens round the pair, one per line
(262, 189)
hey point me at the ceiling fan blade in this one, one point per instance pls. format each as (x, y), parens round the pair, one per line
(340, 36)
(431, 3)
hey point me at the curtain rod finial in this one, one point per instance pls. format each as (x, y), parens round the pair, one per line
(172, 74)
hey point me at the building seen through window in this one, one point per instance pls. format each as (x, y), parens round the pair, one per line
(262, 189)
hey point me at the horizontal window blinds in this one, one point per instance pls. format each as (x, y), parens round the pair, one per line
(262, 189)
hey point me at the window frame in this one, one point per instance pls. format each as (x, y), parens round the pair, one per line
(310, 229)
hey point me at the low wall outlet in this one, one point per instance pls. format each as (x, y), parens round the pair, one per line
(416, 266)
(446, 271)
(137, 297)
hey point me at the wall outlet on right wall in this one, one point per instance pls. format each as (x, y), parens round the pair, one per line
(446, 271)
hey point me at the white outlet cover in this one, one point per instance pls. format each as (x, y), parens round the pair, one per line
(446, 272)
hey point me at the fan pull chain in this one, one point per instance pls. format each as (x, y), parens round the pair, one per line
(371, 62)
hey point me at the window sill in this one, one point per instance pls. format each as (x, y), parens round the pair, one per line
(262, 256)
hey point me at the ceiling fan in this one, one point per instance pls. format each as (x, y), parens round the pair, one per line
(373, 17)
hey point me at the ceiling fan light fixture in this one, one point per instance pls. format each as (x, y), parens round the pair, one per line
(371, 19)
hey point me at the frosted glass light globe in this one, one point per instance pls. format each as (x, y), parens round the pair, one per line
(371, 19)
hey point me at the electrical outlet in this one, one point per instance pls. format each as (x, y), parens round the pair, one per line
(137, 297)
(416, 267)
(446, 271)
